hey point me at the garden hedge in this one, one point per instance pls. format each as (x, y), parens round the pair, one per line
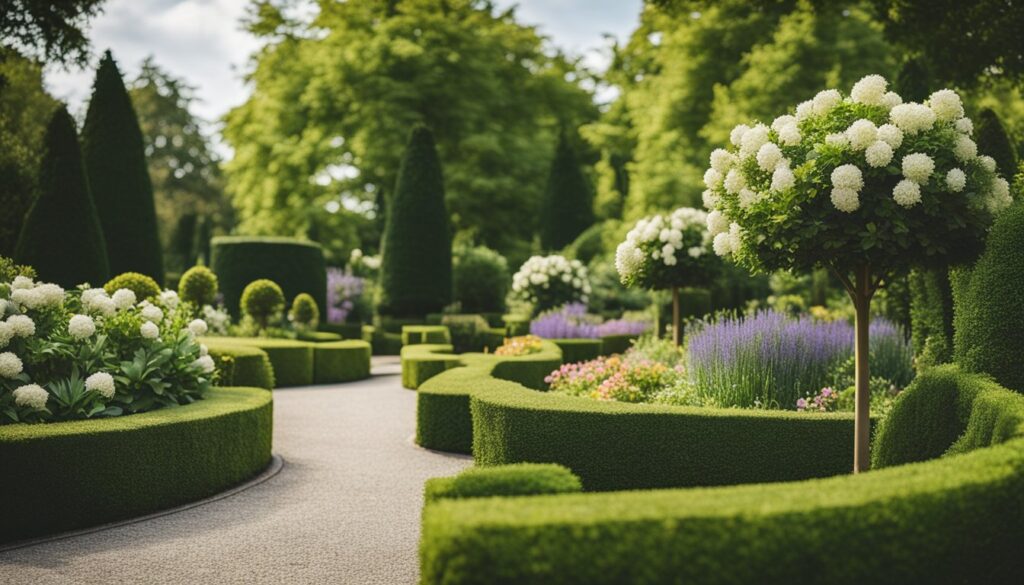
(523, 479)
(73, 475)
(412, 334)
(241, 365)
(956, 519)
(345, 330)
(613, 344)
(297, 266)
(579, 350)
(292, 360)
(341, 361)
(423, 361)
(301, 363)
(319, 336)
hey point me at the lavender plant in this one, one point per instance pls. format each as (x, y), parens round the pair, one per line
(571, 321)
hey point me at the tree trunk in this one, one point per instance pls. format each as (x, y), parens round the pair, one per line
(677, 329)
(862, 430)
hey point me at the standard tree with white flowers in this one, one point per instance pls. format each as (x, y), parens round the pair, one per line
(668, 251)
(865, 185)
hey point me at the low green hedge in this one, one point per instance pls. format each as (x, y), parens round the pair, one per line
(423, 361)
(578, 350)
(297, 266)
(345, 330)
(443, 420)
(341, 361)
(72, 475)
(955, 519)
(292, 360)
(319, 336)
(523, 479)
(613, 344)
(516, 324)
(413, 334)
(382, 342)
(240, 365)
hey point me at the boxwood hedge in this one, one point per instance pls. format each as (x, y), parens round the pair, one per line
(301, 363)
(955, 519)
(523, 479)
(413, 334)
(341, 361)
(241, 365)
(73, 475)
(423, 361)
(579, 350)
(297, 266)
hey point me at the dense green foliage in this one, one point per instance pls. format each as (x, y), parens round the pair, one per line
(115, 161)
(523, 479)
(950, 520)
(341, 361)
(579, 350)
(49, 31)
(416, 268)
(62, 238)
(931, 315)
(262, 300)
(152, 461)
(198, 286)
(296, 265)
(480, 280)
(414, 334)
(423, 361)
(240, 365)
(994, 141)
(143, 286)
(989, 308)
(568, 205)
(304, 312)
(292, 360)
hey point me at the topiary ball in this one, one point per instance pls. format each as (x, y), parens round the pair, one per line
(261, 300)
(198, 286)
(304, 311)
(481, 280)
(143, 286)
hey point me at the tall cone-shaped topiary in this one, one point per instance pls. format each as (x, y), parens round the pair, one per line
(994, 140)
(568, 206)
(115, 161)
(416, 269)
(62, 237)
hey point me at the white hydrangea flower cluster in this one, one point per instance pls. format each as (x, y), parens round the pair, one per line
(10, 365)
(33, 396)
(81, 326)
(102, 383)
(28, 295)
(543, 273)
(664, 239)
(888, 137)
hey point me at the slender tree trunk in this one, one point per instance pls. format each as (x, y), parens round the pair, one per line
(677, 329)
(862, 303)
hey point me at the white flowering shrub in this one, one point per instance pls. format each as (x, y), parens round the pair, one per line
(551, 281)
(663, 251)
(83, 353)
(858, 180)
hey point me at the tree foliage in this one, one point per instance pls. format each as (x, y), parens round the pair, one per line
(49, 31)
(568, 205)
(994, 141)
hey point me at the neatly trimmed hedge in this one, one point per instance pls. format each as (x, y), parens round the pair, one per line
(297, 266)
(292, 360)
(613, 344)
(70, 475)
(341, 361)
(523, 479)
(516, 324)
(956, 519)
(578, 350)
(423, 361)
(240, 365)
(345, 330)
(413, 334)
(319, 337)
(931, 315)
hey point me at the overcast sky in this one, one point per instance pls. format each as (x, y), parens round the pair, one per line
(200, 41)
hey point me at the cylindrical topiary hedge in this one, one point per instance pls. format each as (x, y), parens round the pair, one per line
(341, 361)
(240, 365)
(292, 360)
(296, 266)
(73, 475)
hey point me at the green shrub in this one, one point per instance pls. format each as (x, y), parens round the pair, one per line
(467, 332)
(293, 361)
(262, 300)
(988, 314)
(949, 520)
(423, 361)
(62, 238)
(413, 334)
(341, 361)
(416, 269)
(590, 243)
(240, 365)
(480, 279)
(152, 461)
(143, 286)
(995, 141)
(523, 479)
(198, 286)
(516, 325)
(383, 342)
(568, 204)
(345, 330)
(296, 265)
(318, 336)
(9, 270)
(304, 312)
(115, 161)
(613, 344)
(931, 315)
(578, 350)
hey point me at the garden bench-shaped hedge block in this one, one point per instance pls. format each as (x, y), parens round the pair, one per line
(341, 361)
(413, 334)
(958, 518)
(423, 361)
(523, 479)
(71, 475)
(240, 365)
(292, 360)
(579, 350)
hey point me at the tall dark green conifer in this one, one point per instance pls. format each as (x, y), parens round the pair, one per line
(115, 161)
(416, 270)
(62, 238)
(994, 140)
(914, 81)
(568, 205)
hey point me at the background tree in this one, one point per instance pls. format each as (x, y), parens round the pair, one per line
(49, 31)
(416, 269)
(993, 140)
(568, 205)
(62, 238)
(115, 161)
(183, 167)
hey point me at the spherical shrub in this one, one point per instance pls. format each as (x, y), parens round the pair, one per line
(481, 280)
(198, 286)
(143, 286)
(304, 311)
(262, 299)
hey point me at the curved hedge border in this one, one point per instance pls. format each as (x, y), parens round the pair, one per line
(297, 266)
(341, 361)
(414, 334)
(443, 420)
(956, 519)
(241, 365)
(579, 350)
(301, 363)
(71, 475)
(423, 361)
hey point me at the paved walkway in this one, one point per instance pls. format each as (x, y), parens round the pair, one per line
(345, 508)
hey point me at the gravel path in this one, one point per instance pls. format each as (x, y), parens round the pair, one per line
(345, 508)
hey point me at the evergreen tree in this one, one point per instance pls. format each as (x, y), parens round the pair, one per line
(416, 270)
(568, 206)
(994, 140)
(914, 82)
(115, 162)
(62, 238)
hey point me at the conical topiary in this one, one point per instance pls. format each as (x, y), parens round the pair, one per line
(913, 81)
(62, 237)
(567, 208)
(416, 270)
(994, 140)
(115, 161)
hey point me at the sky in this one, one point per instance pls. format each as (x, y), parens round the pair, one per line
(202, 42)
